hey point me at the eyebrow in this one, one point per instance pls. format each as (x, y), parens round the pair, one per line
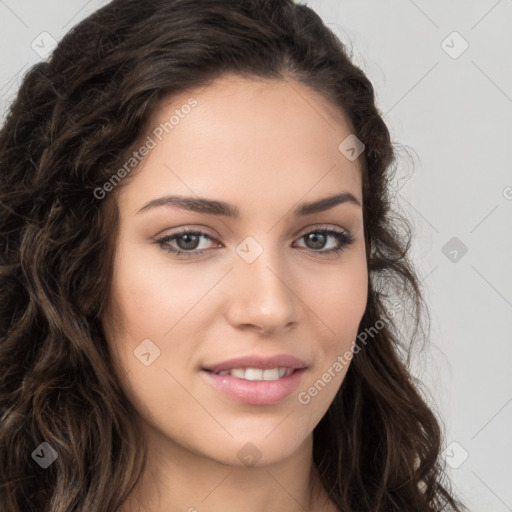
(213, 207)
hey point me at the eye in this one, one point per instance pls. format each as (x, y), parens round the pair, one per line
(317, 239)
(186, 243)
(186, 240)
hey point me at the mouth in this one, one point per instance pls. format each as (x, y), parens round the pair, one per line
(257, 374)
(256, 380)
(273, 366)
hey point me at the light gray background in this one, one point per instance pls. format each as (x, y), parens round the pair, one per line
(452, 115)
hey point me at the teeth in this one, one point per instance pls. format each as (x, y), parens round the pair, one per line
(271, 374)
(257, 373)
(237, 372)
(253, 374)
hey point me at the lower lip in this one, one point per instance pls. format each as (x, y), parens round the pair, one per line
(256, 392)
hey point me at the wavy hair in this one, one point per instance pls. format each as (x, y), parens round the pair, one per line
(79, 114)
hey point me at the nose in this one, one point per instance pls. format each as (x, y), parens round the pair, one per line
(262, 295)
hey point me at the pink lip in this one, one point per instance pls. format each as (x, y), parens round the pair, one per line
(256, 392)
(279, 361)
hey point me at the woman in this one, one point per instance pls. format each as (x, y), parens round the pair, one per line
(200, 271)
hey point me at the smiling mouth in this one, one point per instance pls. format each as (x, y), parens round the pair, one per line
(267, 374)
(256, 386)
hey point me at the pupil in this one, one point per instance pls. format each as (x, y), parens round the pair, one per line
(194, 242)
(315, 238)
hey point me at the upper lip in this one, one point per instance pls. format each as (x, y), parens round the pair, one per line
(279, 361)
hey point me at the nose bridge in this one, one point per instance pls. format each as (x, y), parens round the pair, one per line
(263, 295)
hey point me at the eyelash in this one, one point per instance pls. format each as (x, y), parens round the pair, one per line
(343, 237)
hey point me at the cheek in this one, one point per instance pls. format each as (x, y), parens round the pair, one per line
(339, 300)
(151, 296)
(150, 300)
(161, 303)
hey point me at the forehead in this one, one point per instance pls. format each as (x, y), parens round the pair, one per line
(239, 137)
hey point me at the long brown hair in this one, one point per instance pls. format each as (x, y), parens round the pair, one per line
(75, 118)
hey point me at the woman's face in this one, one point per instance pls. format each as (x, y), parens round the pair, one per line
(262, 284)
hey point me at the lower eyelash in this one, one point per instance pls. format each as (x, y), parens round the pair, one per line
(344, 237)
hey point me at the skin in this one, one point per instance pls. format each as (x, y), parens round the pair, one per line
(263, 146)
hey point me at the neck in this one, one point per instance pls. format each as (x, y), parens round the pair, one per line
(177, 479)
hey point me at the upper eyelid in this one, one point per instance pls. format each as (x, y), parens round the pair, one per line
(300, 233)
